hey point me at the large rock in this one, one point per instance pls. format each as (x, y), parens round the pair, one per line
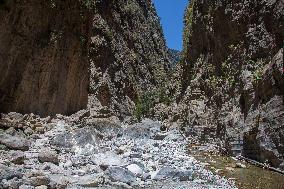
(48, 155)
(82, 141)
(91, 180)
(14, 142)
(59, 181)
(135, 169)
(36, 178)
(17, 157)
(166, 172)
(9, 172)
(119, 174)
(39, 181)
(105, 160)
(44, 65)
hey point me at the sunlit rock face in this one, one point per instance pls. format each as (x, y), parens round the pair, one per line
(233, 63)
(264, 142)
(43, 59)
(128, 53)
(51, 52)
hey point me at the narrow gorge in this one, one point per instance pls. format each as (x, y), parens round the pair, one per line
(91, 96)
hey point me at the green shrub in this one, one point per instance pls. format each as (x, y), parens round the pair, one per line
(144, 104)
(187, 31)
(89, 4)
(131, 8)
(164, 97)
(138, 112)
(147, 101)
(258, 68)
(257, 76)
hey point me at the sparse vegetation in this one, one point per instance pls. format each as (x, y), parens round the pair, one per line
(83, 40)
(144, 104)
(187, 27)
(52, 4)
(257, 75)
(147, 101)
(234, 47)
(131, 8)
(88, 3)
(258, 68)
(229, 71)
(55, 36)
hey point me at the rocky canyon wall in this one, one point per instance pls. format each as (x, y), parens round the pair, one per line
(43, 56)
(128, 54)
(54, 54)
(233, 74)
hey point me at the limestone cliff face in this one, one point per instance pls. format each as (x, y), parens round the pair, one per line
(54, 53)
(128, 53)
(213, 28)
(233, 66)
(43, 56)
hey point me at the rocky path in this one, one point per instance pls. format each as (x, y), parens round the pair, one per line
(105, 155)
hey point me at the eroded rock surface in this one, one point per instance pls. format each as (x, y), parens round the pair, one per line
(232, 83)
(44, 65)
(128, 54)
(55, 54)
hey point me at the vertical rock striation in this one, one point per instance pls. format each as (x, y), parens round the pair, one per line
(128, 53)
(233, 59)
(46, 48)
(43, 56)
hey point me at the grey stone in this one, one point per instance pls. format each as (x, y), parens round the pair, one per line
(14, 142)
(59, 181)
(48, 155)
(240, 165)
(17, 157)
(14, 183)
(26, 187)
(39, 180)
(3, 147)
(118, 174)
(146, 176)
(91, 180)
(28, 131)
(135, 169)
(9, 172)
(185, 175)
(107, 159)
(41, 187)
(135, 155)
(80, 140)
(160, 136)
(166, 172)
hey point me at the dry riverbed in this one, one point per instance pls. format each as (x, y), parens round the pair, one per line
(245, 175)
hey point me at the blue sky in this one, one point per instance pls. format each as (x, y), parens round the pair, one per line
(171, 13)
